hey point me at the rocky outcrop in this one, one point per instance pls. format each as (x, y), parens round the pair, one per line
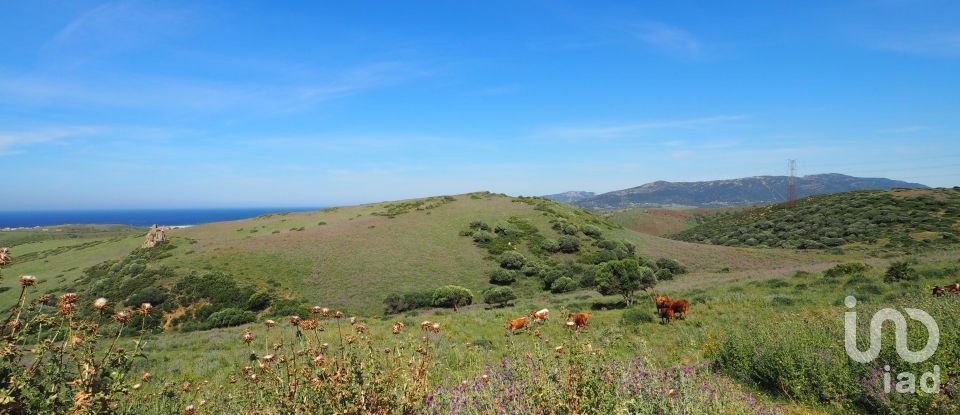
(155, 236)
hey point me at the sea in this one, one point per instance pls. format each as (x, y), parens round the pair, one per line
(133, 217)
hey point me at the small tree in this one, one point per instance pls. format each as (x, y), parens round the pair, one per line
(499, 296)
(563, 285)
(502, 276)
(512, 260)
(569, 244)
(663, 274)
(676, 268)
(624, 277)
(900, 271)
(452, 296)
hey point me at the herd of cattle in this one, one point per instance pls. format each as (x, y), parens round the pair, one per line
(667, 309)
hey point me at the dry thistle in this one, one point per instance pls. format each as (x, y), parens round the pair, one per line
(28, 280)
(121, 317)
(316, 309)
(309, 324)
(44, 299)
(145, 308)
(65, 309)
(247, 337)
(268, 358)
(397, 327)
(338, 314)
(69, 298)
(189, 410)
(435, 328)
(294, 320)
(136, 387)
(360, 328)
(100, 304)
(146, 376)
(353, 320)
(269, 323)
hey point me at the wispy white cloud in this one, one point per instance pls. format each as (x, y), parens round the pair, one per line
(632, 128)
(13, 142)
(929, 44)
(118, 26)
(668, 39)
(187, 94)
(903, 130)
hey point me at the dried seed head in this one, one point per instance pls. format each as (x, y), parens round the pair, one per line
(353, 320)
(136, 387)
(100, 304)
(485, 378)
(122, 317)
(319, 360)
(558, 349)
(269, 323)
(325, 312)
(189, 410)
(146, 376)
(309, 324)
(397, 327)
(44, 299)
(316, 309)
(185, 386)
(324, 346)
(28, 280)
(268, 358)
(360, 328)
(435, 328)
(65, 309)
(294, 320)
(247, 337)
(145, 308)
(338, 314)
(69, 298)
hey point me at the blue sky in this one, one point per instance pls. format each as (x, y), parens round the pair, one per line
(210, 104)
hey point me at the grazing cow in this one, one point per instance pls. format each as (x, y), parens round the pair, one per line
(426, 325)
(680, 308)
(661, 301)
(539, 316)
(666, 313)
(518, 323)
(579, 319)
(943, 289)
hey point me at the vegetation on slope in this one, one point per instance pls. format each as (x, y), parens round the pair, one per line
(898, 220)
(661, 222)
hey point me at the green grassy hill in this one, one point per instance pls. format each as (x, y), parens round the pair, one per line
(353, 257)
(895, 220)
(662, 221)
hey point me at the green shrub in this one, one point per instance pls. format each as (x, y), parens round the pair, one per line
(229, 317)
(453, 296)
(399, 303)
(512, 260)
(624, 277)
(592, 231)
(671, 264)
(569, 244)
(502, 276)
(663, 274)
(635, 316)
(258, 301)
(846, 269)
(550, 245)
(900, 271)
(499, 296)
(563, 284)
(479, 225)
(569, 229)
(481, 237)
(533, 269)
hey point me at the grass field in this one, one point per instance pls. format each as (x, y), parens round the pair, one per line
(743, 300)
(661, 221)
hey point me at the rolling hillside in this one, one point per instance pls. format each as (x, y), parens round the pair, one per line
(353, 257)
(901, 220)
(659, 221)
(734, 192)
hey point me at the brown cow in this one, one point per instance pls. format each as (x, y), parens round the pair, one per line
(661, 301)
(579, 319)
(666, 313)
(943, 289)
(518, 323)
(680, 308)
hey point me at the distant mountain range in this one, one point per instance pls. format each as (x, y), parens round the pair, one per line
(571, 196)
(724, 193)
